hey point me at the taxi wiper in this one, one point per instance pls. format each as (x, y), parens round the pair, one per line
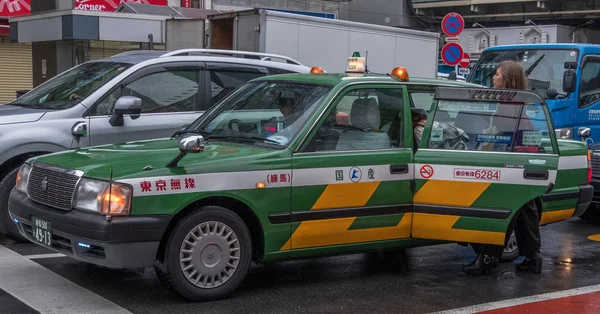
(244, 138)
(179, 132)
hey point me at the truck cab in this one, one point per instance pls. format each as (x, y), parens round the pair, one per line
(566, 75)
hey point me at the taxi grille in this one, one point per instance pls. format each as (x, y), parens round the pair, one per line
(595, 163)
(51, 187)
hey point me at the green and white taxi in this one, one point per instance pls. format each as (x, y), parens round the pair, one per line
(304, 165)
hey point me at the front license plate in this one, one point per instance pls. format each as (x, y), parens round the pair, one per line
(42, 231)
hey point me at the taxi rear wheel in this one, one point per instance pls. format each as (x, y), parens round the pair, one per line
(511, 250)
(207, 255)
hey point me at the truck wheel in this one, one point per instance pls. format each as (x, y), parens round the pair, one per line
(7, 226)
(592, 213)
(511, 250)
(207, 255)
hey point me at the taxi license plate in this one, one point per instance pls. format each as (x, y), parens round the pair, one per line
(42, 231)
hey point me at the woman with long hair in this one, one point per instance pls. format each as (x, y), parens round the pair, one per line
(510, 75)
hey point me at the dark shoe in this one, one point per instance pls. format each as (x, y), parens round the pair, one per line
(481, 265)
(530, 265)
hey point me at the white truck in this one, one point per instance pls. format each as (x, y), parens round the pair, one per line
(325, 43)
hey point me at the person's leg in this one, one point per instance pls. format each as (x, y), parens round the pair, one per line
(529, 240)
(486, 259)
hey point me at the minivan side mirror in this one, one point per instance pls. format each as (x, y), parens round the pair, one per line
(126, 105)
(79, 129)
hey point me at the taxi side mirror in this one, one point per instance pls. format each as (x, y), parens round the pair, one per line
(191, 144)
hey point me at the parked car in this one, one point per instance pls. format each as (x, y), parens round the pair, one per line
(132, 96)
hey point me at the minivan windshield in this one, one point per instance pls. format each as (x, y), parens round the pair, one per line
(544, 67)
(71, 86)
(264, 112)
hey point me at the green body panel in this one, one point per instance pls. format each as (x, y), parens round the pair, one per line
(571, 148)
(369, 222)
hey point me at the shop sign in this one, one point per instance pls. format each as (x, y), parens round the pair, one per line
(14, 8)
(110, 5)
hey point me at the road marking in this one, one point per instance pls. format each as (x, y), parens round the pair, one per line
(48, 255)
(46, 291)
(520, 301)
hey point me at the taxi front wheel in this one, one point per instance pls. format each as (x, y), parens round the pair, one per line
(207, 255)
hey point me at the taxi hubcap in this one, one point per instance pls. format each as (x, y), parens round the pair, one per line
(209, 254)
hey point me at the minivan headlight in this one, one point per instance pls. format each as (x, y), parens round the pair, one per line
(23, 178)
(95, 195)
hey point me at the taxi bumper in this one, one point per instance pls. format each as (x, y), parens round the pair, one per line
(586, 195)
(123, 242)
(596, 184)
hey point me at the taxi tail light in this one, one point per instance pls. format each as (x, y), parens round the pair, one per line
(401, 73)
(589, 174)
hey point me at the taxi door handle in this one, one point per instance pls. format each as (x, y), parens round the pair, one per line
(535, 174)
(399, 168)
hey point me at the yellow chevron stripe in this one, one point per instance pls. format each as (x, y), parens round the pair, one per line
(556, 215)
(439, 227)
(335, 231)
(450, 193)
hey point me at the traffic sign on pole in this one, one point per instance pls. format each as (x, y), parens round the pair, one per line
(453, 24)
(452, 54)
(466, 61)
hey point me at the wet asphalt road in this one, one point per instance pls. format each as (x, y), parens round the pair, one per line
(417, 280)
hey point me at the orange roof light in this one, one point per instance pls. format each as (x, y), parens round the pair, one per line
(401, 73)
(316, 70)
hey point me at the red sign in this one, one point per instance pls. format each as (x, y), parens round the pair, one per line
(14, 8)
(452, 54)
(466, 60)
(453, 24)
(426, 171)
(186, 3)
(110, 5)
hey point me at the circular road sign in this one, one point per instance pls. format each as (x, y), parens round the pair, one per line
(466, 60)
(453, 24)
(452, 54)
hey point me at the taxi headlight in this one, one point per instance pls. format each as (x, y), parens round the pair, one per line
(564, 133)
(23, 178)
(95, 195)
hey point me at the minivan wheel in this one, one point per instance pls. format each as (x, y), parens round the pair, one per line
(7, 226)
(208, 254)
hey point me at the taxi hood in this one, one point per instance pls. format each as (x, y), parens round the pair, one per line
(148, 159)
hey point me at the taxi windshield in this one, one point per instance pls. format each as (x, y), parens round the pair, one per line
(544, 67)
(271, 112)
(70, 87)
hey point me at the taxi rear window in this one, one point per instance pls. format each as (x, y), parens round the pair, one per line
(490, 126)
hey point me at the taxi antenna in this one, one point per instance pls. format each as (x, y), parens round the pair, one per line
(110, 182)
(367, 62)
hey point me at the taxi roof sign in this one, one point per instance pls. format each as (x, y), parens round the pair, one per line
(356, 63)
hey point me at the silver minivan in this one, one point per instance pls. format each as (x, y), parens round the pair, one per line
(131, 96)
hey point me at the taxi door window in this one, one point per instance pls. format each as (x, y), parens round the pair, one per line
(475, 126)
(533, 135)
(363, 119)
